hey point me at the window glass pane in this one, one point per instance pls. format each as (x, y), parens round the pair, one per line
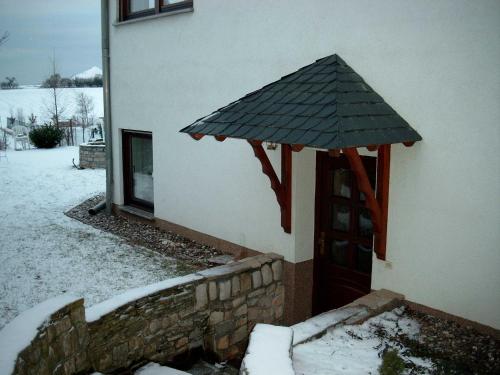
(363, 258)
(142, 168)
(339, 253)
(341, 216)
(365, 223)
(342, 183)
(168, 2)
(139, 5)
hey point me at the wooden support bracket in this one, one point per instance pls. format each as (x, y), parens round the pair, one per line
(283, 188)
(377, 204)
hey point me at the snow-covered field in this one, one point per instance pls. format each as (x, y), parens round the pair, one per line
(43, 253)
(35, 100)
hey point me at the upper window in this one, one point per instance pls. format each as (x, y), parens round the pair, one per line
(130, 9)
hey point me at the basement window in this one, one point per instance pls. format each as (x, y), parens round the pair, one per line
(133, 9)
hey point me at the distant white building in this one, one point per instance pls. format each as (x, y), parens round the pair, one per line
(421, 220)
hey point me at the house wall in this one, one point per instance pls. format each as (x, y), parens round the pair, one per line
(436, 63)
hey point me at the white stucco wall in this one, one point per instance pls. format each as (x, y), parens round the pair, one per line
(436, 63)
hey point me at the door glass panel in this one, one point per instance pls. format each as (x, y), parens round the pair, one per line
(363, 258)
(342, 183)
(339, 253)
(365, 223)
(142, 168)
(340, 217)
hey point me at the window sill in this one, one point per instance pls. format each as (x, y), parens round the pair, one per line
(154, 16)
(137, 212)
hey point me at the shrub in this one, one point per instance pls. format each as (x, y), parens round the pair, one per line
(392, 363)
(46, 136)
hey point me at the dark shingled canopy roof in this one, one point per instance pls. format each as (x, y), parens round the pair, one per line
(324, 105)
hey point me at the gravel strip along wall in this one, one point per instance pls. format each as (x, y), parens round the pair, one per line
(92, 156)
(216, 308)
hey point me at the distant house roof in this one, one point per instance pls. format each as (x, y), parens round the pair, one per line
(324, 105)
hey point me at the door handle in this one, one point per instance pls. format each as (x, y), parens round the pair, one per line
(322, 244)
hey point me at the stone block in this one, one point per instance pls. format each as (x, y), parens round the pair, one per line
(224, 290)
(155, 325)
(216, 317)
(277, 267)
(242, 310)
(238, 301)
(239, 335)
(267, 274)
(223, 343)
(235, 285)
(63, 325)
(212, 290)
(181, 342)
(120, 354)
(245, 282)
(256, 279)
(201, 296)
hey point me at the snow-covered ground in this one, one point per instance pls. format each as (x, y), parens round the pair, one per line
(357, 349)
(43, 253)
(35, 100)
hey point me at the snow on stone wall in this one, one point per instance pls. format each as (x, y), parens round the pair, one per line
(269, 351)
(47, 339)
(216, 308)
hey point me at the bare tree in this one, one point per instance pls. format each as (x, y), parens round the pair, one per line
(55, 109)
(85, 111)
(4, 37)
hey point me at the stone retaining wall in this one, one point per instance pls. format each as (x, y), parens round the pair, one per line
(215, 309)
(92, 156)
(59, 346)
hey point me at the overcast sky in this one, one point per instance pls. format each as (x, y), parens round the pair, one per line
(71, 29)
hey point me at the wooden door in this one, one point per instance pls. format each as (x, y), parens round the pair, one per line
(343, 234)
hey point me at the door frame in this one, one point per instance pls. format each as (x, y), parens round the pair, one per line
(128, 181)
(320, 160)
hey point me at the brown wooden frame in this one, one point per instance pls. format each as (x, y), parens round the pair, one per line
(125, 14)
(128, 194)
(283, 188)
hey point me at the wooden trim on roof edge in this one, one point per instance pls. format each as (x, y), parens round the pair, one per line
(283, 188)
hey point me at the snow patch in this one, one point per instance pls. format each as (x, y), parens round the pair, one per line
(156, 369)
(89, 73)
(269, 351)
(99, 310)
(357, 349)
(19, 333)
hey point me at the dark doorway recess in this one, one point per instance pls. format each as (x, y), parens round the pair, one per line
(138, 169)
(343, 233)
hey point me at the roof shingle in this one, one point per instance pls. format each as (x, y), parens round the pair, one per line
(325, 105)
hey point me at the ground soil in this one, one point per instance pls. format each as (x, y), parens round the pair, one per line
(454, 348)
(136, 233)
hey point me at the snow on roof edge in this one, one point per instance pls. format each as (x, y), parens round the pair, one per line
(97, 311)
(19, 333)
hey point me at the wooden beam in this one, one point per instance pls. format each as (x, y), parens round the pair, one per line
(383, 172)
(364, 185)
(220, 138)
(409, 144)
(283, 188)
(286, 187)
(197, 136)
(372, 147)
(296, 148)
(334, 153)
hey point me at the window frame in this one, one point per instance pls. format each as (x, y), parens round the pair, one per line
(128, 182)
(124, 13)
